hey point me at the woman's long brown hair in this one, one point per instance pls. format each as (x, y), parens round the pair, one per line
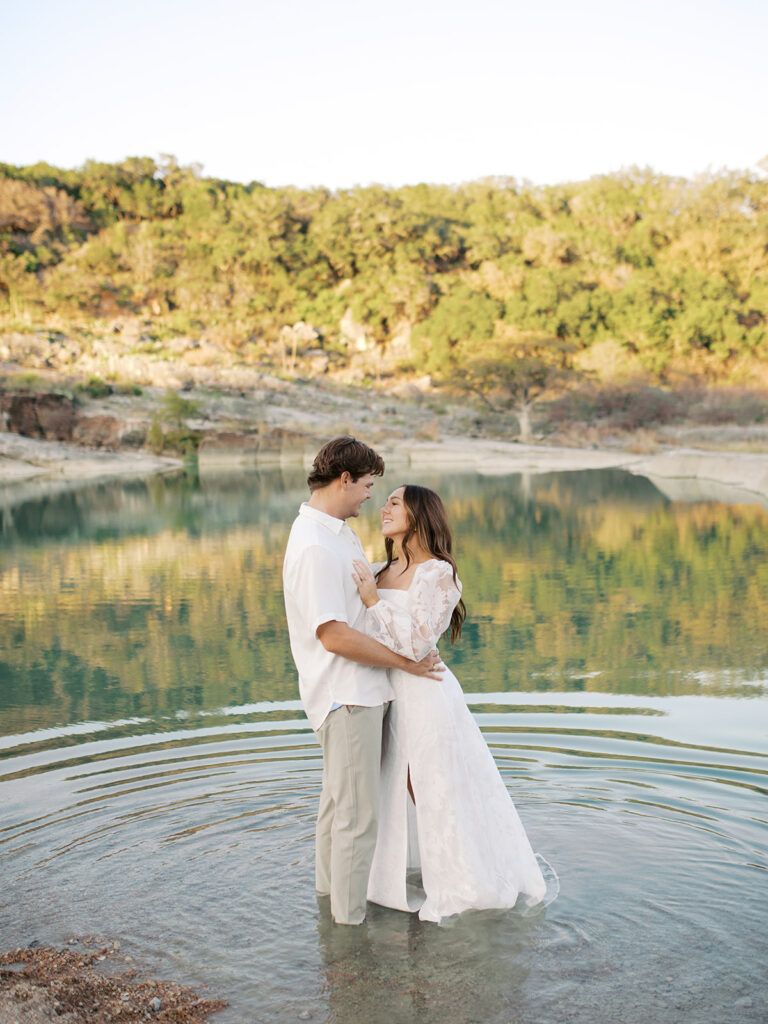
(428, 521)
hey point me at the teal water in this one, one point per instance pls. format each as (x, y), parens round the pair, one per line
(158, 780)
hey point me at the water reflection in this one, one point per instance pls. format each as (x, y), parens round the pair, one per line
(143, 600)
(397, 970)
(159, 781)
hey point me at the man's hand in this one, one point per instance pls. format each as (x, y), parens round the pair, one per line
(430, 666)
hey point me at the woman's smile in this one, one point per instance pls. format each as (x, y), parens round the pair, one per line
(394, 515)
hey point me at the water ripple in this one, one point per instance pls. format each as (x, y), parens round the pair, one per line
(208, 822)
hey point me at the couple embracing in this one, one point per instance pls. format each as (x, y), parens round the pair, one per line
(408, 780)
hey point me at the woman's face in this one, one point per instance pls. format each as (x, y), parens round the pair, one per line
(394, 516)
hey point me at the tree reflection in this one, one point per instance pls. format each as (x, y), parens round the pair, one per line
(147, 599)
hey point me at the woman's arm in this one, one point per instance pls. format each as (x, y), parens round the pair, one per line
(414, 631)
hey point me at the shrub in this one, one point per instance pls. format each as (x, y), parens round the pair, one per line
(128, 388)
(96, 387)
(182, 442)
(176, 408)
(156, 437)
(630, 407)
(726, 405)
(22, 382)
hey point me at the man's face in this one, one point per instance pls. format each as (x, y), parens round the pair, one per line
(356, 492)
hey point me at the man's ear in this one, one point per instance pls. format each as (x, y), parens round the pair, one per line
(346, 479)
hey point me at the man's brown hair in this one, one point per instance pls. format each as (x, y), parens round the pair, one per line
(343, 455)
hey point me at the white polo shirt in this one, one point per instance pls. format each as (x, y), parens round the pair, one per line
(318, 587)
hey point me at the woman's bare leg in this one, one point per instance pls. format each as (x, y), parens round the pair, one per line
(410, 787)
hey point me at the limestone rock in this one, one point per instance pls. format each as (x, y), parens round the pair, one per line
(354, 335)
(399, 345)
(98, 431)
(30, 350)
(204, 354)
(46, 416)
(239, 448)
(407, 389)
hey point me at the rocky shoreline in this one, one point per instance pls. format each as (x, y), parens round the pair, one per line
(50, 440)
(91, 983)
(31, 468)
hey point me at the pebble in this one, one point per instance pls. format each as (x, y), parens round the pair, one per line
(34, 944)
(744, 1003)
(305, 1015)
(155, 1005)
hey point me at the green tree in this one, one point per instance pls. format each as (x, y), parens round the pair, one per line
(675, 272)
(461, 317)
(515, 372)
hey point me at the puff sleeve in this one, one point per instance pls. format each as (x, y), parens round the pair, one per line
(415, 630)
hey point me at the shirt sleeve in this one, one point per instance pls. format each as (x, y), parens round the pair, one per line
(322, 587)
(415, 630)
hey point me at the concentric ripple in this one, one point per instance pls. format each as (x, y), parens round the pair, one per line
(192, 840)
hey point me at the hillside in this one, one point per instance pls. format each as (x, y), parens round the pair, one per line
(623, 274)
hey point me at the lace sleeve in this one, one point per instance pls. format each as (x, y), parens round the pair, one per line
(415, 630)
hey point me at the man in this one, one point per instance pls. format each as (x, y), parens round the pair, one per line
(343, 681)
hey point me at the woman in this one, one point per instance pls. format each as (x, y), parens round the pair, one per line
(444, 806)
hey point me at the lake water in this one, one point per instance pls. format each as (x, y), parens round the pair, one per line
(158, 780)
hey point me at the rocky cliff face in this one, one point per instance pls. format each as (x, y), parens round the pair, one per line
(55, 417)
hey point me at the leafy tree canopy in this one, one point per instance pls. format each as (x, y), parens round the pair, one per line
(673, 272)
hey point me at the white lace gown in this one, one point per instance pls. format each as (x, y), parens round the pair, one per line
(464, 831)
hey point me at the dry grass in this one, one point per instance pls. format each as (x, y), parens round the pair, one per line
(640, 417)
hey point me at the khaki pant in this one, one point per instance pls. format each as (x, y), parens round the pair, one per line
(349, 807)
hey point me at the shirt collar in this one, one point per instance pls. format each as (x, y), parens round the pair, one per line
(330, 522)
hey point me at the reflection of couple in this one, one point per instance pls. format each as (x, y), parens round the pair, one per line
(418, 789)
